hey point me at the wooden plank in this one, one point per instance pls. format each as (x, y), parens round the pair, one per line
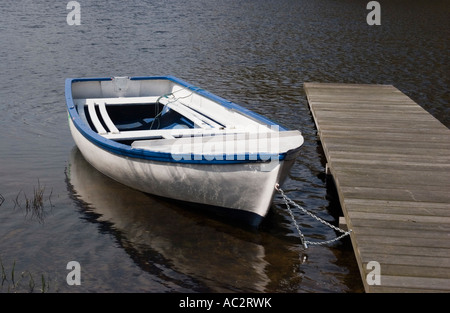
(415, 284)
(441, 195)
(362, 95)
(411, 260)
(409, 266)
(407, 250)
(382, 220)
(397, 207)
(390, 161)
(366, 105)
(355, 124)
(401, 115)
(350, 149)
(375, 165)
(386, 127)
(361, 144)
(366, 240)
(389, 176)
(371, 164)
(411, 233)
(380, 157)
(395, 136)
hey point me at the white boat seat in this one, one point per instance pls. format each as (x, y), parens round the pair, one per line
(122, 100)
(172, 133)
(94, 118)
(226, 144)
(109, 123)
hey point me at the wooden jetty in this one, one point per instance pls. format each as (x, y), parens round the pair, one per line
(390, 161)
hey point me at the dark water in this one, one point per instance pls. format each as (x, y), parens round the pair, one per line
(255, 53)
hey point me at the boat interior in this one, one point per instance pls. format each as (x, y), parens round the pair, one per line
(156, 114)
(123, 109)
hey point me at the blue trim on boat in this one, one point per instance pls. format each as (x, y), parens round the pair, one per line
(92, 79)
(125, 150)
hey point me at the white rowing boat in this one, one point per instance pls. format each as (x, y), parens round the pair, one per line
(163, 136)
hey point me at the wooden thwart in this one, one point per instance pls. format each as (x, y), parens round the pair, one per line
(390, 160)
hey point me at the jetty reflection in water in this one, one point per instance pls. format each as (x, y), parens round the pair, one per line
(161, 236)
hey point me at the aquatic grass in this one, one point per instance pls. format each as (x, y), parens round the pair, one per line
(34, 207)
(31, 283)
(14, 285)
(3, 272)
(16, 201)
(12, 272)
(44, 285)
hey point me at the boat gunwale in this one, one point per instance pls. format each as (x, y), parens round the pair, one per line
(126, 150)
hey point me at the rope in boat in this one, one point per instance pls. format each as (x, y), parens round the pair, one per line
(305, 243)
(158, 113)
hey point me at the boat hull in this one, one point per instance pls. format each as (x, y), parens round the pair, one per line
(241, 190)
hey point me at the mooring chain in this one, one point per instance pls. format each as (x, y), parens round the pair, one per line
(305, 243)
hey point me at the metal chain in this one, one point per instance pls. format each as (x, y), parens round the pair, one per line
(305, 243)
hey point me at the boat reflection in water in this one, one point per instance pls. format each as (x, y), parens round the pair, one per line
(160, 235)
